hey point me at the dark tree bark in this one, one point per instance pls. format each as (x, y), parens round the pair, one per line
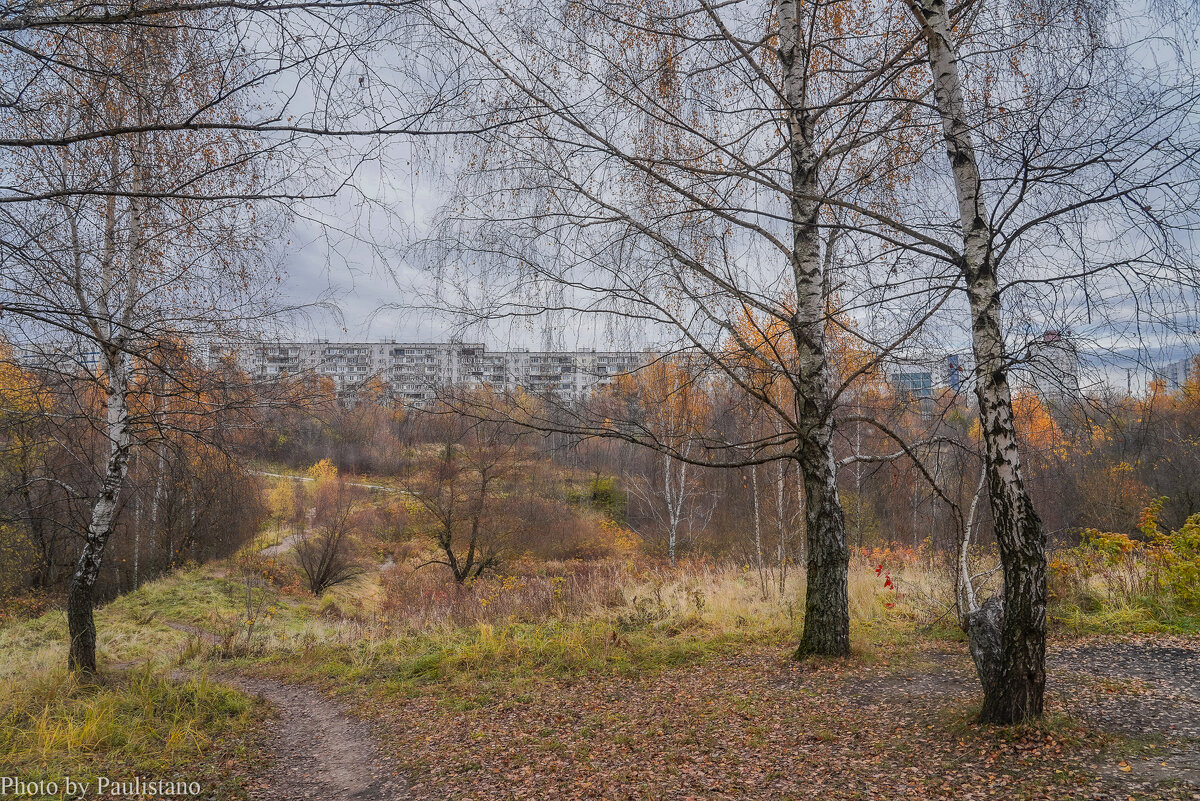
(1016, 694)
(826, 598)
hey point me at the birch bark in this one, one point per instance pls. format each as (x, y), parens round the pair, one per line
(81, 590)
(1013, 689)
(826, 606)
(115, 303)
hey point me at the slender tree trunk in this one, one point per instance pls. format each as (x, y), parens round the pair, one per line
(37, 531)
(858, 505)
(156, 503)
(1013, 689)
(117, 306)
(968, 602)
(758, 552)
(191, 501)
(802, 539)
(914, 503)
(137, 533)
(826, 605)
(672, 508)
(781, 551)
(81, 590)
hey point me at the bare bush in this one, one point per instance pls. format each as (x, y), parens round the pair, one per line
(326, 550)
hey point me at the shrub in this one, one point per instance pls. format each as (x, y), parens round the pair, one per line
(1161, 570)
(326, 552)
(606, 497)
(556, 531)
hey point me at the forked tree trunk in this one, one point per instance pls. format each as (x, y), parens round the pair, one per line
(826, 605)
(81, 589)
(1016, 691)
(1013, 688)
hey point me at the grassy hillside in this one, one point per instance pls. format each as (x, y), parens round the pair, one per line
(467, 667)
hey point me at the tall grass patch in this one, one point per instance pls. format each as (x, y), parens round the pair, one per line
(139, 723)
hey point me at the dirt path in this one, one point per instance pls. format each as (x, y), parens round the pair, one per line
(1142, 688)
(315, 750)
(284, 545)
(1146, 688)
(1150, 685)
(380, 487)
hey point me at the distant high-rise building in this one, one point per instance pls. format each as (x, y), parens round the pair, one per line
(1053, 365)
(64, 356)
(912, 383)
(1178, 373)
(954, 372)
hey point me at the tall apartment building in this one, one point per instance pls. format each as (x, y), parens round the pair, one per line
(415, 370)
(1052, 364)
(921, 376)
(63, 356)
(1178, 373)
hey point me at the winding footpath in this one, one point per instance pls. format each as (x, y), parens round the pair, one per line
(315, 751)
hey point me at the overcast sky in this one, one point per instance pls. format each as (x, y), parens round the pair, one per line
(357, 261)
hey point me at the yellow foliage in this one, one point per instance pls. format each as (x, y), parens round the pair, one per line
(676, 405)
(323, 469)
(1036, 426)
(281, 499)
(625, 539)
(767, 352)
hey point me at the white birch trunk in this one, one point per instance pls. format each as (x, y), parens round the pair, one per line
(826, 605)
(758, 551)
(1014, 678)
(80, 594)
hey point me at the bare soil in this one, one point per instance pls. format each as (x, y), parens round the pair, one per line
(316, 751)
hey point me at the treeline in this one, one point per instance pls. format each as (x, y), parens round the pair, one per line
(361, 433)
(480, 493)
(909, 463)
(187, 496)
(905, 462)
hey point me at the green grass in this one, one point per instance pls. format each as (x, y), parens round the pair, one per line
(486, 655)
(141, 717)
(137, 723)
(131, 629)
(1122, 616)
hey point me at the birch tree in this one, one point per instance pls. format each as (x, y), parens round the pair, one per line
(675, 407)
(682, 164)
(140, 240)
(1073, 169)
